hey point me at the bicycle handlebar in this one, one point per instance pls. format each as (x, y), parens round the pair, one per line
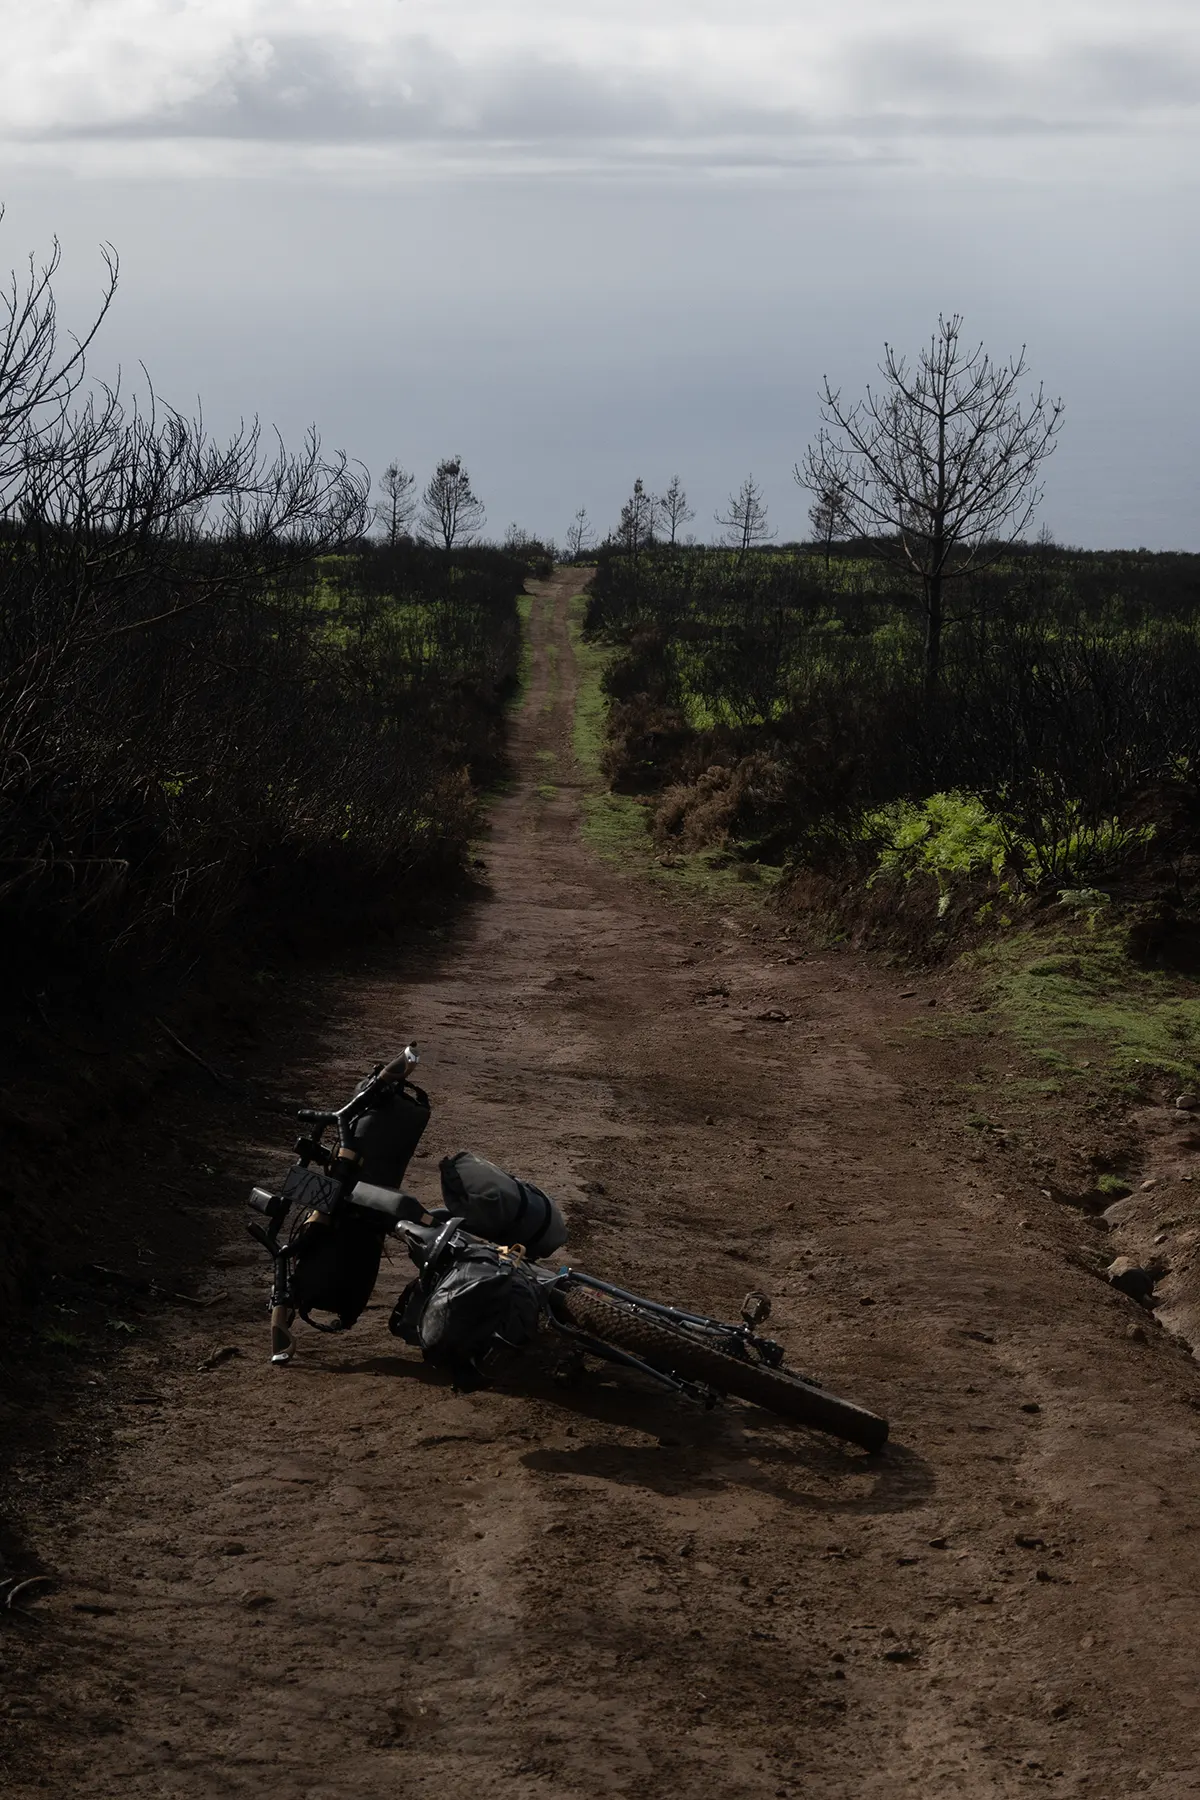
(397, 1070)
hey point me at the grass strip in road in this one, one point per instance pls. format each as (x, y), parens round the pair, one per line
(525, 606)
(613, 824)
(552, 678)
(617, 825)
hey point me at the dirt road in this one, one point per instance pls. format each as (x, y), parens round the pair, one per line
(340, 1581)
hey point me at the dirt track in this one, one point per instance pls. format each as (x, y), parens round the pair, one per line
(340, 1580)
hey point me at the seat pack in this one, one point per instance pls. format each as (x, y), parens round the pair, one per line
(484, 1302)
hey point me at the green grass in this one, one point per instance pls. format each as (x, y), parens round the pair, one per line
(613, 824)
(552, 678)
(58, 1337)
(525, 604)
(591, 660)
(617, 825)
(1074, 1000)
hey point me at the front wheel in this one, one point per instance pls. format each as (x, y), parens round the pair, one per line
(678, 1352)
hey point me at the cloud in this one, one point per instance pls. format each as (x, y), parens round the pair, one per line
(694, 84)
(1069, 83)
(308, 91)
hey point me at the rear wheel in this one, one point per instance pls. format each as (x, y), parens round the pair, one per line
(677, 1352)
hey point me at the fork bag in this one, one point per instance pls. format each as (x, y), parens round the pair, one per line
(335, 1266)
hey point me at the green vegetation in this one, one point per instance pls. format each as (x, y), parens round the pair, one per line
(1074, 999)
(591, 707)
(948, 836)
(777, 706)
(954, 837)
(525, 605)
(613, 824)
(286, 750)
(60, 1338)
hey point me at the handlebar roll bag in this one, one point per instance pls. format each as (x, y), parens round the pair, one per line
(495, 1205)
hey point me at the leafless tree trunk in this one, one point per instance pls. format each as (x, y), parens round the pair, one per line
(580, 536)
(395, 511)
(37, 379)
(944, 461)
(746, 521)
(452, 512)
(673, 507)
(829, 517)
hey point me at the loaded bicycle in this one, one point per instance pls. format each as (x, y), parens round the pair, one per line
(485, 1289)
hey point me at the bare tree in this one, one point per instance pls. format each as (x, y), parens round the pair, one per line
(399, 504)
(829, 515)
(674, 509)
(746, 521)
(944, 461)
(580, 536)
(451, 512)
(38, 379)
(639, 515)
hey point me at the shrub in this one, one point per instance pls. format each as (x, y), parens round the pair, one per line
(949, 836)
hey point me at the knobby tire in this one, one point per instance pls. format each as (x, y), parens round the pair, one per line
(677, 1352)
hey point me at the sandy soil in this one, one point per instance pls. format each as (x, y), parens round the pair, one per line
(340, 1581)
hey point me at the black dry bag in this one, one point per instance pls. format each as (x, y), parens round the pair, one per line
(485, 1301)
(495, 1205)
(335, 1266)
(386, 1135)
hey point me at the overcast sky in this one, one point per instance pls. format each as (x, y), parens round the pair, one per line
(579, 242)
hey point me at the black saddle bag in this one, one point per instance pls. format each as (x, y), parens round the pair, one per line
(486, 1301)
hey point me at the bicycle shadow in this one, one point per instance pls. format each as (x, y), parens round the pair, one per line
(734, 1446)
(396, 1366)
